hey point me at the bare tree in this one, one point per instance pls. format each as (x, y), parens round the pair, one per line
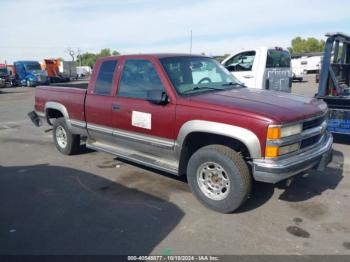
(71, 52)
(79, 55)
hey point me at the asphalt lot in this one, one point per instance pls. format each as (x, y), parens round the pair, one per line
(93, 203)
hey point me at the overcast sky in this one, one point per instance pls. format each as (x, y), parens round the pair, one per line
(37, 29)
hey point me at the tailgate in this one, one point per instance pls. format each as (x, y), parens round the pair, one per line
(278, 79)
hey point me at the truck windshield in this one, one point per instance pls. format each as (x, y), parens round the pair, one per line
(277, 58)
(32, 67)
(192, 75)
(3, 71)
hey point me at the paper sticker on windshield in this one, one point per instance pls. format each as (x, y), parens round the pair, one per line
(141, 119)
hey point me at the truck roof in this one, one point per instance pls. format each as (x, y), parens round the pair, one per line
(26, 61)
(339, 36)
(154, 55)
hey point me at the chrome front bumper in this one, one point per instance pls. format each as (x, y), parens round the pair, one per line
(273, 171)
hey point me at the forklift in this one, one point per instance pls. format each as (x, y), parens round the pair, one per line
(334, 82)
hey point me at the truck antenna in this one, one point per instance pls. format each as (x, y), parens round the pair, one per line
(191, 41)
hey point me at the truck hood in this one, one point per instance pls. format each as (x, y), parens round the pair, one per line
(273, 106)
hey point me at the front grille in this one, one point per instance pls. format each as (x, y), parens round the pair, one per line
(310, 141)
(314, 122)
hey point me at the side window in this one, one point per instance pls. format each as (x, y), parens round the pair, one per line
(103, 85)
(139, 77)
(241, 62)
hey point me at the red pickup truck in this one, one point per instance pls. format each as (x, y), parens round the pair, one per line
(187, 115)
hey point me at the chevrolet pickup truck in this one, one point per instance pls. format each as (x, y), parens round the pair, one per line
(187, 115)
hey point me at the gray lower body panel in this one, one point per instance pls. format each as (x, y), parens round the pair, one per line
(138, 157)
(275, 171)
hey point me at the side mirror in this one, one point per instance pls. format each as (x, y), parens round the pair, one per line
(158, 97)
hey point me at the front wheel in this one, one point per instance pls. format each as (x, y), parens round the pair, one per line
(219, 178)
(65, 141)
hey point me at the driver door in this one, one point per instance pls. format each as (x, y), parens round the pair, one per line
(141, 125)
(241, 66)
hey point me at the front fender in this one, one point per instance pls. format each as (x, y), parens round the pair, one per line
(247, 137)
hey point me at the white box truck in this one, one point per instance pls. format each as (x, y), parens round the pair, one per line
(68, 69)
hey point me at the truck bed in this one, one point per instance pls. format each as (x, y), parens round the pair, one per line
(71, 96)
(75, 84)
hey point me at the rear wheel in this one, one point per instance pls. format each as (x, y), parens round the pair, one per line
(219, 178)
(65, 141)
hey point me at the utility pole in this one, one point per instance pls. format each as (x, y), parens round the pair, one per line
(191, 41)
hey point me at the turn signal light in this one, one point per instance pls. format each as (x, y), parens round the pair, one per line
(271, 151)
(273, 133)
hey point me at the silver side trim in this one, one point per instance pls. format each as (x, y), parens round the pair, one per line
(247, 137)
(154, 141)
(133, 158)
(146, 139)
(78, 123)
(100, 129)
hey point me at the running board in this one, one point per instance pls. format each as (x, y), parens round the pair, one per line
(135, 157)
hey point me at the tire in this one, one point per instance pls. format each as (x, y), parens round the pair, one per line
(65, 141)
(230, 168)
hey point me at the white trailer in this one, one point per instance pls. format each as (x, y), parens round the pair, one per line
(298, 69)
(83, 71)
(68, 69)
(311, 64)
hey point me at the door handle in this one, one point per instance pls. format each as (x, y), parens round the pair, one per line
(115, 107)
(248, 76)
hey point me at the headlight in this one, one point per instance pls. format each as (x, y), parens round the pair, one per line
(291, 130)
(274, 133)
(280, 132)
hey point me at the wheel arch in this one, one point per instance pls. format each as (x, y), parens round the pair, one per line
(198, 133)
(56, 110)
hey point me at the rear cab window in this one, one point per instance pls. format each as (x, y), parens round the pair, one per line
(104, 80)
(278, 59)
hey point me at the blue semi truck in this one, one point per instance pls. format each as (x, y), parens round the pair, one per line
(29, 73)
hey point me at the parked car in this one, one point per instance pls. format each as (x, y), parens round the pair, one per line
(187, 115)
(262, 68)
(29, 73)
(334, 82)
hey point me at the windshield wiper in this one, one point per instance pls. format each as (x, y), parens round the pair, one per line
(234, 84)
(203, 87)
